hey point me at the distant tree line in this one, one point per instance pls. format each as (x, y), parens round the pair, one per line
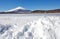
(46, 11)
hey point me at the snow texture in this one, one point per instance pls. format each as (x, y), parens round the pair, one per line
(46, 27)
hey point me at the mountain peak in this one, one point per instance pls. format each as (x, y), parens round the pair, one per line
(20, 8)
(17, 8)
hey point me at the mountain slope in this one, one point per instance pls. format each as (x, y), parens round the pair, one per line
(18, 10)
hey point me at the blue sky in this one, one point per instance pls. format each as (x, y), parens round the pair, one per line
(29, 4)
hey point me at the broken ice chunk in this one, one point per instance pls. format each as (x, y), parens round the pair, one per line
(30, 34)
(20, 34)
(4, 28)
(26, 28)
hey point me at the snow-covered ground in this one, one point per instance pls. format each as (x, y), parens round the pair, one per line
(29, 26)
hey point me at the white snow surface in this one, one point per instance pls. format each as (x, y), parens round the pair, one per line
(33, 27)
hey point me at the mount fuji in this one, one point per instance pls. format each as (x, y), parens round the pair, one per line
(17, 10)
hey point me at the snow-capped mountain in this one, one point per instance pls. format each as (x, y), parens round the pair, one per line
(18, 10)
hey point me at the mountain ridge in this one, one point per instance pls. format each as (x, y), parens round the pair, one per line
(21, 10)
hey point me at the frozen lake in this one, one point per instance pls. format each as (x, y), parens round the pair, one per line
(21, 19)
(42, 26)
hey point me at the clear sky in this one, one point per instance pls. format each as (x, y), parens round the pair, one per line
(29, 4)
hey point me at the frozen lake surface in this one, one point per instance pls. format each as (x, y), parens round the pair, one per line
(30, 26)
(21, 19)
